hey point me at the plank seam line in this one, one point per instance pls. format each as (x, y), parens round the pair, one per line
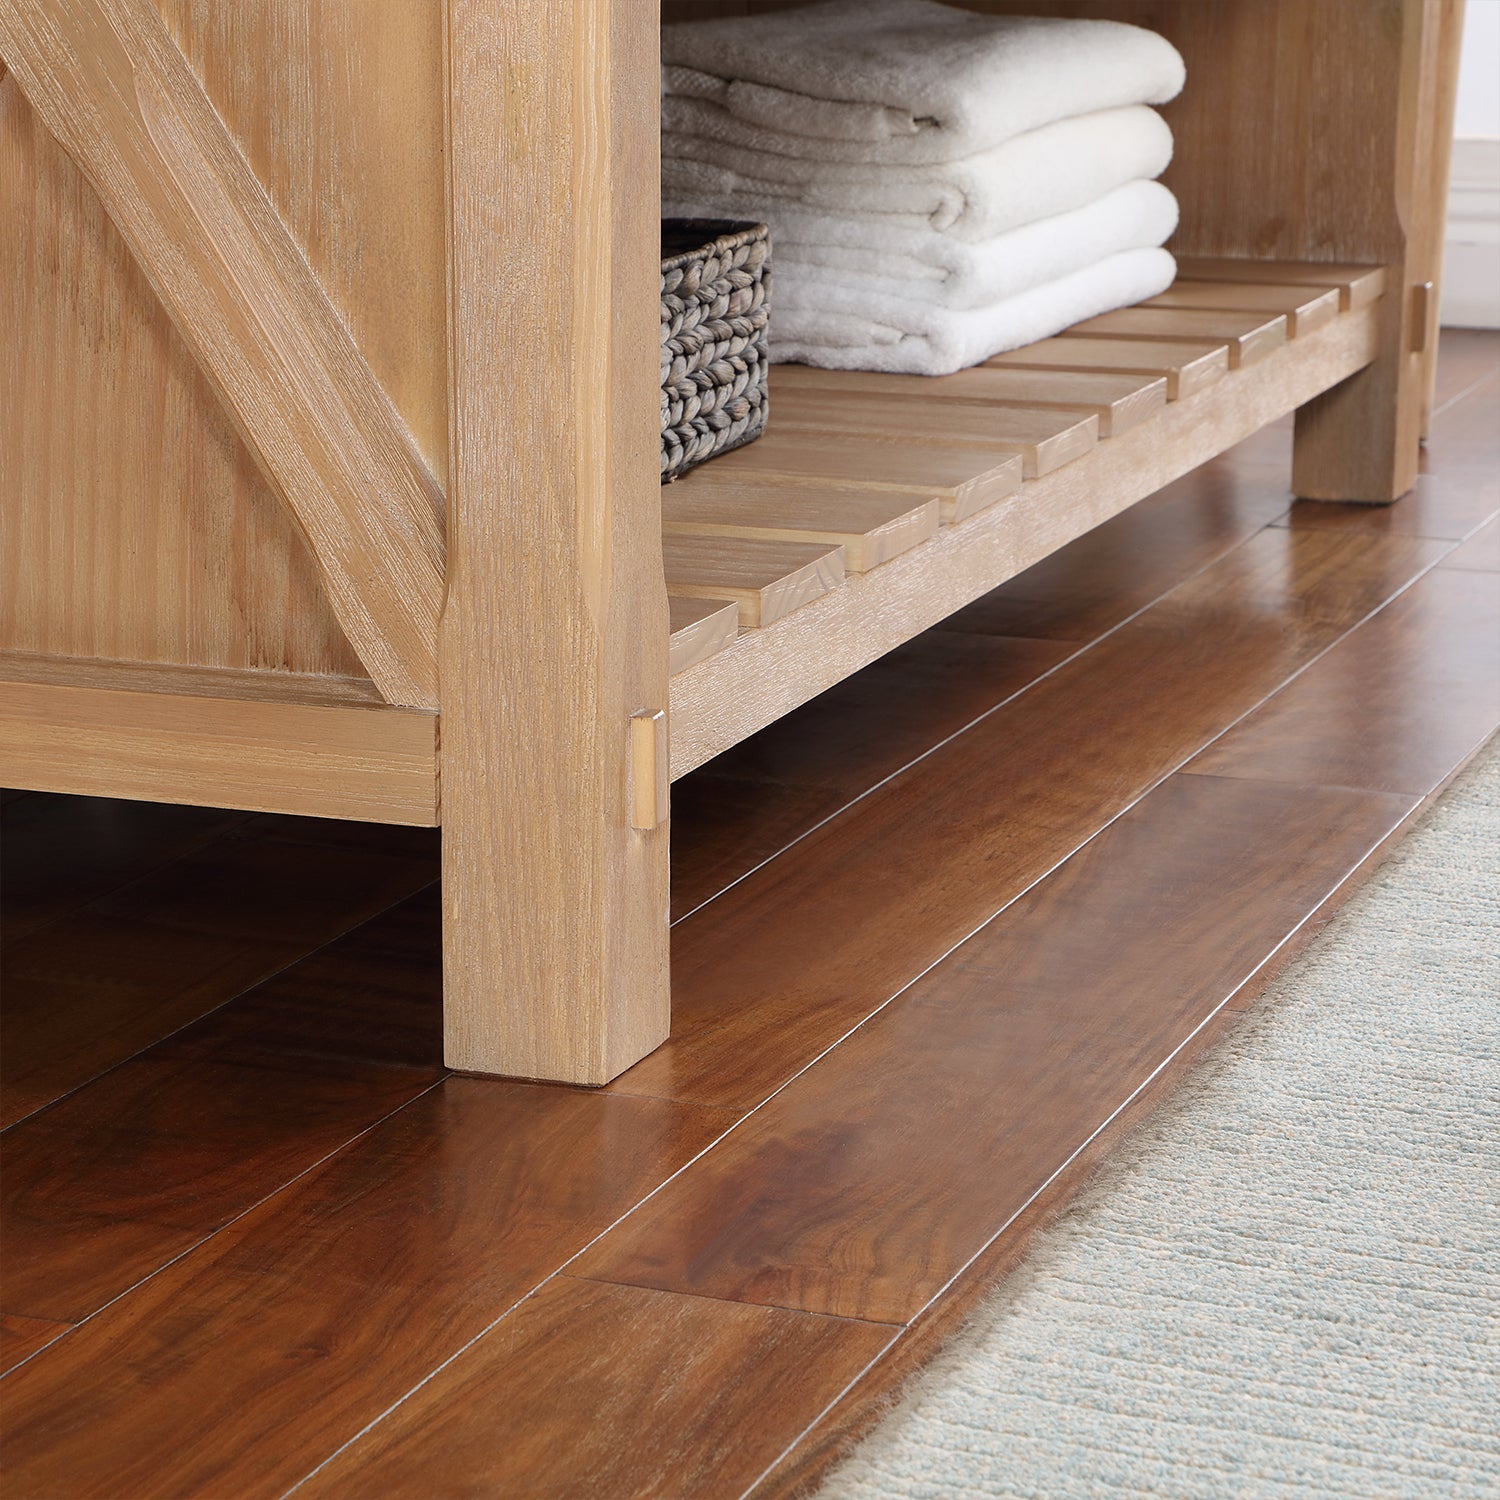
(213, 1011)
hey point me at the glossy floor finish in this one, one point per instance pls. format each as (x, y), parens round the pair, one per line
(944, 935)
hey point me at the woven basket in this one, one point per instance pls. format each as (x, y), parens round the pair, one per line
(715, 277)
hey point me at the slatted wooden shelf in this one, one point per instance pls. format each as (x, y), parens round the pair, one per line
(926, 493)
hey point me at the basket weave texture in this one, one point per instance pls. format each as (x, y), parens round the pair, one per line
(715, 281)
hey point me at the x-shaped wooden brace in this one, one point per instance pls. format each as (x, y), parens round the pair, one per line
(109, 82)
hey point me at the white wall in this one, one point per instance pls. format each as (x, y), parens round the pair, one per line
(1471, 253)
(1479, 71)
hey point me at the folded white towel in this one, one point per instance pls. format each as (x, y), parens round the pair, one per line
(843, 332)
(912, 81)
(1032, 176)
(870, 256)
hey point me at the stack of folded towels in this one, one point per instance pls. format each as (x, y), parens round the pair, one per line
(941, 186)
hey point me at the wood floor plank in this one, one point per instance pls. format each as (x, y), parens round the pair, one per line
(769, 790)
(1394, 706)
(92, 989)
(1250, 336)
(63, 852)
(963, 481)
(612, 1391)
(1480, 553)
(303, 1321)
(1091, 585)
(1357, 285)
(1305, 308)
(1045, 438)
(111, 1184)
(1120, 401)
(1436, 506)
(870, 528)
(869, 1182)
(766, 579)
(699, 628)
(22, 1337)
(1466, 358)
(1188, 367)
(866, 902)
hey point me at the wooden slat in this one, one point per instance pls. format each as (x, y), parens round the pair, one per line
(700, 628)
(182, 736)
(1120, 400)
(1357, 285)
(1045, 439)
(869, 1182)
(1189, 366)
(1251, 336)
(1305, 308)
(871, 528)
(765, 579)
(765, 674)
(307, 1318)
(963, 483)
(109, 82)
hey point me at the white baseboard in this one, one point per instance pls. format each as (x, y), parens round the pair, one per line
(1471, 252)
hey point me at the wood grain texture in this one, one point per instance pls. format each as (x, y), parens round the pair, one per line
(339, 110)
(305, 1319)
(629, 1393)
(1045, 439)
(766, 579)
(140, 738)
(700, 628)
(869, 528)
(20, 1338)
(962, 482)
(135, 525)
(1188, 366)
(1304, 308)
(764, 674)
(556, 946)
(1250, 336)
(937, 855)
(1357, 285)
(109, 82)
(872, 1179)
(1120, 401)
(1394, 707)
(94, 986)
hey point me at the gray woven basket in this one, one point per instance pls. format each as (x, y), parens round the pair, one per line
(715, 277)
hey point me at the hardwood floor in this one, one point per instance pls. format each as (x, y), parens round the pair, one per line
(944, 935)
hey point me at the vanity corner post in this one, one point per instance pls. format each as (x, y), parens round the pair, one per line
(554, 635)
(1361, 440)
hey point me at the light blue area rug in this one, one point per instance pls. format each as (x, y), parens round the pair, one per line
(1285, 1284)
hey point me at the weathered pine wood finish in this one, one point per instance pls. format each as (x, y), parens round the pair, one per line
(328, 431)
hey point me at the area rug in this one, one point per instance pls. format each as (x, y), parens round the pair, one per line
(1285, 1284)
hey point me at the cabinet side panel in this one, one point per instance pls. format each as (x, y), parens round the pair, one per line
(133, 524)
